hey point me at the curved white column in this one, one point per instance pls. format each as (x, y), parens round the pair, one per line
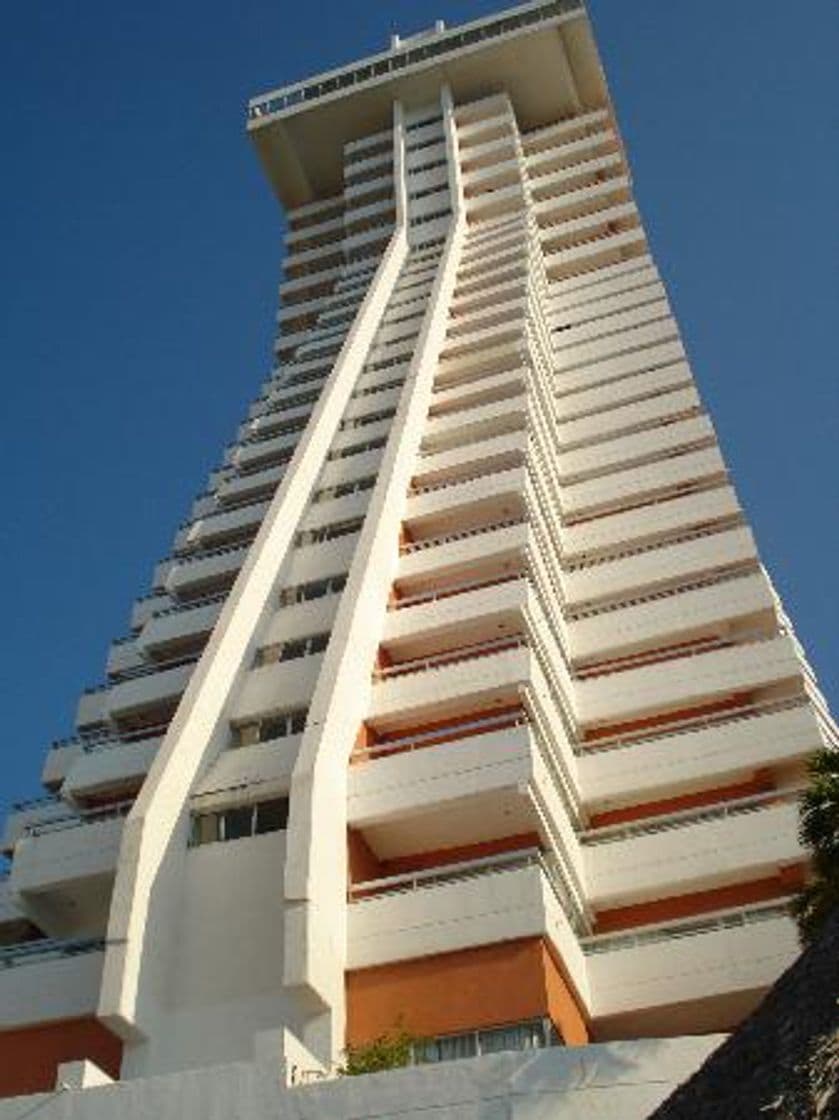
(146, 891)
(316, 869)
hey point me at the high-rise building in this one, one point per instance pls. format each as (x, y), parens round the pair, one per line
(462, 704)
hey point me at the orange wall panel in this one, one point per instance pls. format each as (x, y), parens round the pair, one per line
(30, 1056)
(467, 990)
(701, 902)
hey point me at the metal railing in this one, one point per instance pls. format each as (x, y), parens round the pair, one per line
(687, 927)
(448, 873)
(698, 815)
(463, 534)
(449, 657)
(75, 820)
(30, 952)
(442, 736)
(696, 723)
(452, 589)
(380, 66)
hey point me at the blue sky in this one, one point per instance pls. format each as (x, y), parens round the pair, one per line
(140, 251)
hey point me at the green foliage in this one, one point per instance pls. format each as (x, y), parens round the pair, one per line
(390, 1050)
(819, 831)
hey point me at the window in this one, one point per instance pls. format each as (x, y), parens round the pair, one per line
(239, 822)
(314, 589)
(292, 649)
(357, 448)
(534, 1034)
(329, 532)
(266, 728)
(369, 417)
(343, 489)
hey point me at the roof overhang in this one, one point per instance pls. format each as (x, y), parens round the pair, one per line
(541, 54)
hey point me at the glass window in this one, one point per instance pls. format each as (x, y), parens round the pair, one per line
(297, 722)
(237, 823)
(271, 816)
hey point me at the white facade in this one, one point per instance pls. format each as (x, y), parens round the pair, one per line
(466, 648)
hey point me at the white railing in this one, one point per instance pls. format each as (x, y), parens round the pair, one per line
(698, 815)
(686, 927)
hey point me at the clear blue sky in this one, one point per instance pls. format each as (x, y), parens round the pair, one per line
(140, 251)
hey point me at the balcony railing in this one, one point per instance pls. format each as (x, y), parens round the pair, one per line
(448, 873)
(379, 67)
(449, 733)
(694, 723)
(449, 590)
(48, 949)
(686, 927)
(732, 572)
(75, 820)
(449, 657)
(463, 534)
(153, 667)
(675, 652)
(666, 823)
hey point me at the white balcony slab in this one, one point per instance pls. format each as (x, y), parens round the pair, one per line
(611, 423)
(49, 989)
(685, 681)
(111, 767)
(638, 483)
(627, 574)
(58, 761)
(576, 409)
(720, 962)
(191, 573)
(30, 813)
(677, 617)
(259, 771)
(482, 910)
(51, 860)
(277, 687)
(175, 626)
(137, 693)
(452, 688)
(623, 529)
(721, 752)
(695, 856)
(623, 451)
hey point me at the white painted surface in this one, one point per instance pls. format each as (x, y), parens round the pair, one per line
(615, 1081)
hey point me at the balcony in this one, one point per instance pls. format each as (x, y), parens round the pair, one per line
(475, 780)
(63, 871)
(484, 500)
(60, 758)
(157, 684)
(24, 814)
(462, 557)
(621, 535)
(457, 683)
(640, 484)
(177, 625)
(724, 748)
(709, 972)
(210, 568)
(680, 557)
(718, 604)
(43, 981)
(686, 681)
(595, 253)
(460, 906)
(111, 765)
(693, 850)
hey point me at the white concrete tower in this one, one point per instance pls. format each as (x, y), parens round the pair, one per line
(462, 701)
